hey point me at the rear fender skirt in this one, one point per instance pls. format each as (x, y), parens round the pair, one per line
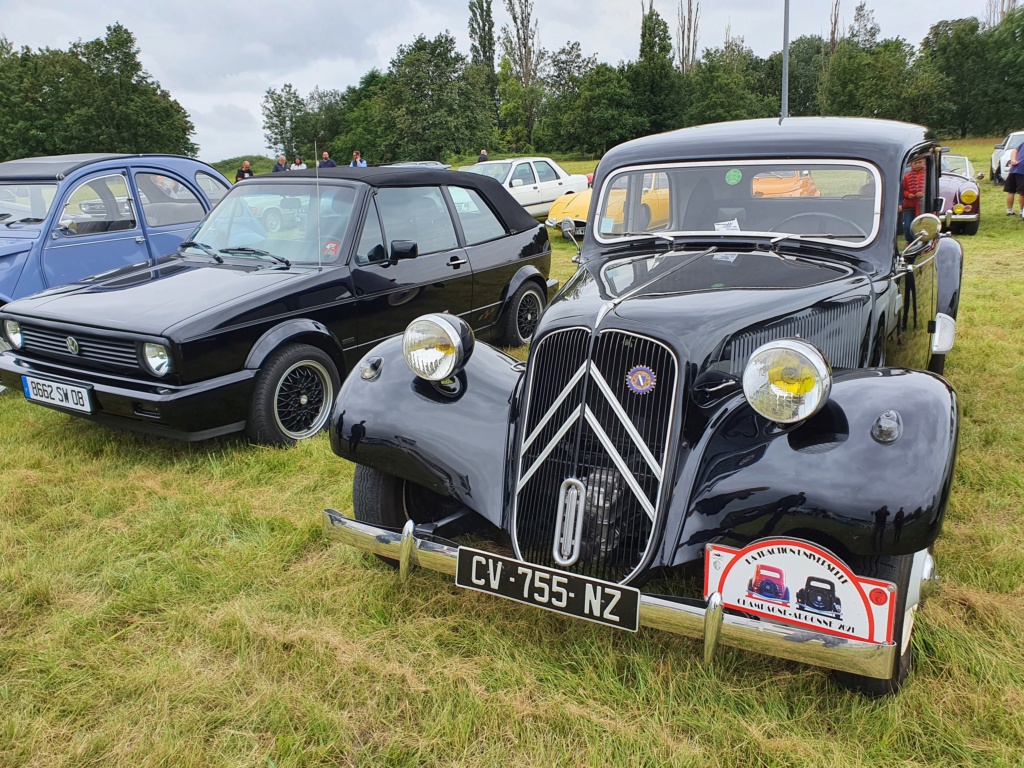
(949, 261)
(454, 443)
(279, 334)
(827, 480)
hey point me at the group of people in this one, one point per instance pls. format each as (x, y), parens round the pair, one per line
(282, 164)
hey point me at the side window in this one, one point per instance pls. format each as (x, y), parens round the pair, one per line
(370, 249)
(418, 214)
(99, 205)
(212, 188)
(545, 171)
(523, 173)
(166, 201)
(479, 223)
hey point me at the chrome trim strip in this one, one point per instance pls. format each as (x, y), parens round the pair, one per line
(573, 493)
(569, 387)
(657, 612)
(569, 424)
(617, 409)
(620, 463)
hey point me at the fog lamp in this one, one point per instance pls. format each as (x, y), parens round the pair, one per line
(958, 209)
(787, 380)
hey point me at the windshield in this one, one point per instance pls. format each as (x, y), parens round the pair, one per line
(279, 220)
(495, 170)
(26, 201)
(957, 164)
(1014, 140)
(818, 199)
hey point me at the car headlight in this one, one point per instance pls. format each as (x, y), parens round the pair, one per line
(12, 329)
(157, 357)
(787, 380)
(968, 195)
(437, 346)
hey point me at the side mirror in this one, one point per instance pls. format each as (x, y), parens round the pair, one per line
(516, 183)
(980, 176)
(926, 228)
(404, 249)
(998, 146)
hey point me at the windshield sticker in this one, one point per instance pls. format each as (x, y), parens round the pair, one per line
(732, 225)
(733, 177)
(730, 257)
(607, 224)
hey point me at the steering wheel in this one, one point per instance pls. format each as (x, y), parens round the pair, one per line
(849, 226)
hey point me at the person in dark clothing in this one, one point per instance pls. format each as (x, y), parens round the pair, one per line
(326, 161)
(280, 165)
(483, 156)
(244, 172)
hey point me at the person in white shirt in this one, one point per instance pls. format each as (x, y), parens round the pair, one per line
(298, 165)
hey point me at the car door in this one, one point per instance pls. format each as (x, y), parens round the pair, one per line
(392, 294)
(171, 209)
(549, 182)
(98, 230)
(522, 183)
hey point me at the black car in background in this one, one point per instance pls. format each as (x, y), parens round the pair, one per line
(740, 384)
(253, 326)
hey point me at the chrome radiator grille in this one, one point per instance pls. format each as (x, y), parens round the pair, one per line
(588, 430)
(93, 351)
(837, 330)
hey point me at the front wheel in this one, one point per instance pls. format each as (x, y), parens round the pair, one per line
(523, 313)
(272, 220)
(293, 395)
(897, 570)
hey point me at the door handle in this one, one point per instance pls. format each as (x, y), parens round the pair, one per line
(140, 240)
(456, 262)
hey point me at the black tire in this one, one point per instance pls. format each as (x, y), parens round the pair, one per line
(523, 313)
(389, 501)
(897, 570)
(971, 227)
(937, 364)
(272, 220)
(293, 395)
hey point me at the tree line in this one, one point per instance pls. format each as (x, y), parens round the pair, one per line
(93, 97)
(433, 103)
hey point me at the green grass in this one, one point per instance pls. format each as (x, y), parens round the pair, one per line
(176, 605)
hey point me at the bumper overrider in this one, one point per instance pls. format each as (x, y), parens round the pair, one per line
(700, 619)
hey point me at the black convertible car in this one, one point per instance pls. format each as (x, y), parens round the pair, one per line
(741, 386)
(255, 320)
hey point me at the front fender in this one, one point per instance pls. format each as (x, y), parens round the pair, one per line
(279, 334)
(452, 443)
(826, 480)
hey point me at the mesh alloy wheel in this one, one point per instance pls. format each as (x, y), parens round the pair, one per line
(303, 399)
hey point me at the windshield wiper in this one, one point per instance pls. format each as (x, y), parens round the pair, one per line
(26, 220)
(257, 252)
(4, 216)
(202, 247)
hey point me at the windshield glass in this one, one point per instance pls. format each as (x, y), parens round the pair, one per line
(280, 219)
(495, 170)
(818, 199)
(957, 164)
(24, 201)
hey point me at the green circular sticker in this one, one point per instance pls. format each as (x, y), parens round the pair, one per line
(733, 177)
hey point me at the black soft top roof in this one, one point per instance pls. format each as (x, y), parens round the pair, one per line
(511, 212)
(53, 167)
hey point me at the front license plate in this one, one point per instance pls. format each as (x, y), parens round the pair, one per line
(558, 591)
(53, 393)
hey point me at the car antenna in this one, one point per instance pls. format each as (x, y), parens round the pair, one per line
(319, 241)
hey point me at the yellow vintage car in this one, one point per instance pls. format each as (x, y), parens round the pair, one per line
(575, 207)
(785, 184)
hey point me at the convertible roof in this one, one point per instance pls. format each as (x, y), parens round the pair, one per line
(884, 142)
(511, 212)
(52, 167)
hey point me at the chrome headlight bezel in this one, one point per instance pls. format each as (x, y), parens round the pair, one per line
(157, 358)
(12, 332)
(775, 404)
(448, 335)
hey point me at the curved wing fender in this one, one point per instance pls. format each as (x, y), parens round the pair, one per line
(452, 439)
(949, 261)
(869, 474)
(527, 272)
(279, 334)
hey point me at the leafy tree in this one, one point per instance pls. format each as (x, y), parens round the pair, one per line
(807, 58)
(568, 68)
(959, 54)
(725, 85)
(481, 44)
(526, 62)
(282, 113)
(602, 116)
(653, 78)
(864, 30)
(1007, 50)
(844, 80)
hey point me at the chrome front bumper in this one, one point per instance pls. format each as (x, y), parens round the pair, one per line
(709, 623)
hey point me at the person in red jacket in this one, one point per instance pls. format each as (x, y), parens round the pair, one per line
(913, 195)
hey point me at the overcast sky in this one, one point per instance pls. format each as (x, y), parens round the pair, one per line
(218, 57)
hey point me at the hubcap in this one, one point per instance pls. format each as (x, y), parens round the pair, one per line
(302, 400)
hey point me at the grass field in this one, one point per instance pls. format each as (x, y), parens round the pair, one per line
(176, 605)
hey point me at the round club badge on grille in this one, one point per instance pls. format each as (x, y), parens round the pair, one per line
(641, 379)
(72, 345)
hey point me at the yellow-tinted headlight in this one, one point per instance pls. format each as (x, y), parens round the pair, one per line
(968, 195)
(437, 346)
(958, 209)
(787, 380)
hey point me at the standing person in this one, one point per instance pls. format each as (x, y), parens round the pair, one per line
(280, 165)
(326, 161)
(298, 165)
(357, 160)
(913, 195)
(244, 172)
(1015, 181)
(483, 156)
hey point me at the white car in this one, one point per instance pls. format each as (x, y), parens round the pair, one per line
(535, 182)
(1001, 156)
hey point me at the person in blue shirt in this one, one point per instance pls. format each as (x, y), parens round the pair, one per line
(280, 165)
(357, 160)
(326, 161)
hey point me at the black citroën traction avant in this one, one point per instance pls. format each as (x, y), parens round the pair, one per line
(742, 375)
